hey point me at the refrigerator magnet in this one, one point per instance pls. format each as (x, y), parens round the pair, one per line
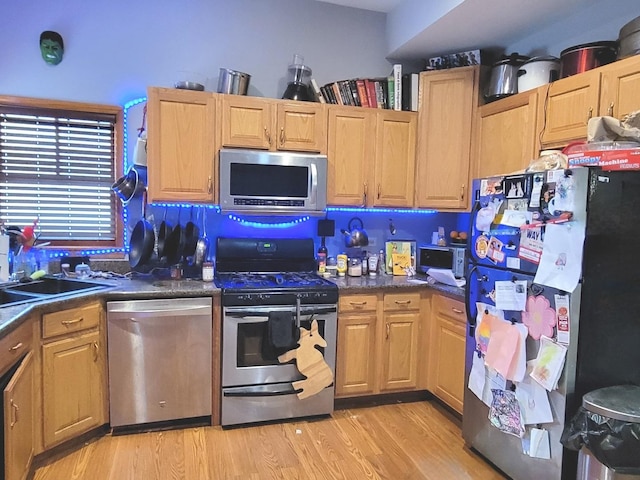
(481, 246)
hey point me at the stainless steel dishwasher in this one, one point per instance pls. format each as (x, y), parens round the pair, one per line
(159, 360)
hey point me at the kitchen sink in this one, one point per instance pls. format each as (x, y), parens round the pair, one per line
(45, 288)
(55, 286)
(8, 298)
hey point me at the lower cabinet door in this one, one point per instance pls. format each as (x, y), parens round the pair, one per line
(73, 379)
(449, 369)
(400, 351)
(18, 422)
(356, 359)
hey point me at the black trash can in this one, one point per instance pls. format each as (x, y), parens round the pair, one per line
(606, 430)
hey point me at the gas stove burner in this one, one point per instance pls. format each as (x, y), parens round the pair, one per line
(269, 280)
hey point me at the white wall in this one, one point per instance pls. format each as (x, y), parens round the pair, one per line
(115, 49)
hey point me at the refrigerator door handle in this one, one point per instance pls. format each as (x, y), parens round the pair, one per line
(471, 319)
(472, 221)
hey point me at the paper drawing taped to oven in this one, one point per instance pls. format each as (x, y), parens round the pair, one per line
(310, 362)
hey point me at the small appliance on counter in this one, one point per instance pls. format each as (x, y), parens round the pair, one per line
(450, 258)
(299, 78)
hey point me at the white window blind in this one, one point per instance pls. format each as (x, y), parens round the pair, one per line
(58, 167)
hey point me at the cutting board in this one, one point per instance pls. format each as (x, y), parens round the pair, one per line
(310, 362)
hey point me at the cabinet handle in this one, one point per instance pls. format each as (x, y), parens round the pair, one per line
(14, 410)
(402, 302)
(281, 136)
(364, 196)
(268, 135)
(379, 191)
(462, 191)
(209, 185)
(388, 330)
(456, 310)
(17, 346)
(358, 304)
(71, 322)
(610, 110)
(96, 351)
(590, 114)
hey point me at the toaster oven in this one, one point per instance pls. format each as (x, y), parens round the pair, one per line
(450, 258)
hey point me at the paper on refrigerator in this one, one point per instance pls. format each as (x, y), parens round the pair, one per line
(561, 260)
(534, 400)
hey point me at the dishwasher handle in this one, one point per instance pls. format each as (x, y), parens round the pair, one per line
(140, 309)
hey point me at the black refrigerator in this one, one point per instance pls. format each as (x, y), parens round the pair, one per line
(567, 243)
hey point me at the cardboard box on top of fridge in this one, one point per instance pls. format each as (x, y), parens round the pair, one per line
(608, 155)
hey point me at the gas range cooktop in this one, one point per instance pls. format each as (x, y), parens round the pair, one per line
(258, 271)
(270, 280)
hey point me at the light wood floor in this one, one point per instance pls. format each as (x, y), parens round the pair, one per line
(418, 440)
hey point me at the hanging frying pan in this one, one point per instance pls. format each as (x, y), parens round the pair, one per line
(192, 233)
(143, 239)
(163, 233)
(174, 244)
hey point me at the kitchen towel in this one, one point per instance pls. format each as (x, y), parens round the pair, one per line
(281, 330)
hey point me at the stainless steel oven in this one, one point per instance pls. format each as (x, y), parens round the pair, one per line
(255, 385)
(264, 280)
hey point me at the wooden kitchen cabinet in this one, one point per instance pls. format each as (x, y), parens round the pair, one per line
(395, 159)
(74, 390)
(350, 153)
(400, 332)
(378, 340)
(371, 157)
(356, 351)
(268, 124)
(506, 137)
(19, 421)
(181, 145)
(448, 102)
(610, 90)
(447, 351)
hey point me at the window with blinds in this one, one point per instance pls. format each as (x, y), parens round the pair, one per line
(58, 167)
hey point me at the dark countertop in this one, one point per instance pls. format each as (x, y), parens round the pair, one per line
(142, 288)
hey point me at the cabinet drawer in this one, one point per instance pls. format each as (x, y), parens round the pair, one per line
(357, 303)
(450, 308)
(72, 320)
(401, 301)
(15, 345)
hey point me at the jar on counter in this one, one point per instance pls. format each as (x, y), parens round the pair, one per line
(355, 267)
(207, 272)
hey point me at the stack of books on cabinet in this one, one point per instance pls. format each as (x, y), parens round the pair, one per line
(395, 92)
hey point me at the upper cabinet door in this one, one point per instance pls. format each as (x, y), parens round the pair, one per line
(351, 139)
(620, 87)
(302, 127)
(247, 122)
(181, 145)
(506, 138)
(448, 102)
(395, 159)
(568, 106)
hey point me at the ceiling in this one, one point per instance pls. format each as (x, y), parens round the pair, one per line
(420, 30)
(384, 6)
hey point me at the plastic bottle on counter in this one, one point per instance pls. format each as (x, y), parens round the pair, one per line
(381, 262)
(342, 264)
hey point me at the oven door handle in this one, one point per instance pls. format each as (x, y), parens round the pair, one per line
(253, 316)
(252, 392)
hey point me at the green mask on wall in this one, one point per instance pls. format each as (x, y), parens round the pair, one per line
(51, 47)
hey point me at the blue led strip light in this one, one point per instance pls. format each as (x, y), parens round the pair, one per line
(289, 224)
(380, 210)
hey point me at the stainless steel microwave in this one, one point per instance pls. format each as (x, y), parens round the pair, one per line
(453, 258)
(258, 182)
